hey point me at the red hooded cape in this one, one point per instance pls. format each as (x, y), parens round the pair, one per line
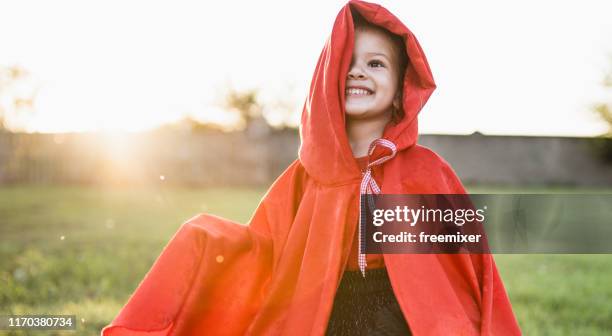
(279, 274)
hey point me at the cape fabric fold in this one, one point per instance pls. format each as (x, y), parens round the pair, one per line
(279, 274)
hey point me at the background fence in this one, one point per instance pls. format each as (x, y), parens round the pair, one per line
(243, 158)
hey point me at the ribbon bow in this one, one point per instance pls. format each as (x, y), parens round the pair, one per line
(368, 187)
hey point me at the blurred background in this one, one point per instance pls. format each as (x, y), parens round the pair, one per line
(120, 121)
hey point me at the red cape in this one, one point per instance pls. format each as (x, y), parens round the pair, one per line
(279, 274)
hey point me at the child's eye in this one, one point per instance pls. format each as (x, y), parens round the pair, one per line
(376, 64)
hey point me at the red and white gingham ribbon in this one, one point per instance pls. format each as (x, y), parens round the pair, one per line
(369, 186)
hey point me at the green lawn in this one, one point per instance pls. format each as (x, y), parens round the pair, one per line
(78, 250)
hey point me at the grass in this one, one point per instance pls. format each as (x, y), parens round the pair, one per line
(83, 250)
(110, 239)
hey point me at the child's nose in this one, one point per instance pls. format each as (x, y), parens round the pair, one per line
(355, 72)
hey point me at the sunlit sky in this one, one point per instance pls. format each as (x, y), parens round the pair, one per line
(511, 67)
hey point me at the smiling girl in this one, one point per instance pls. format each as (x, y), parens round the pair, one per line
(367, 305)
(296, 268)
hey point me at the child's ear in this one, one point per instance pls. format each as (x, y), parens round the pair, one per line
(396, 108)
(396, 100)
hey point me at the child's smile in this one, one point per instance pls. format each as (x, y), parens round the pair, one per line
(358, 91)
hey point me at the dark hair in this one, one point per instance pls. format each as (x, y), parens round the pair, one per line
(399, 47)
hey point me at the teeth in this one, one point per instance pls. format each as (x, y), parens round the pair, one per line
(353, 91)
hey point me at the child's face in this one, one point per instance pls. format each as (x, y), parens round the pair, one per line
(372, 81)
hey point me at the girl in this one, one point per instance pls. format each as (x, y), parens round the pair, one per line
(295, 269)
(367, 306)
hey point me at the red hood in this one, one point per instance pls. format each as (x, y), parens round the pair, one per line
(325, 151)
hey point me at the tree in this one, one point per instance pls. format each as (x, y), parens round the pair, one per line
(603, 143)
(246, 103)
(274, 107)
(17, 94)
(605, 109)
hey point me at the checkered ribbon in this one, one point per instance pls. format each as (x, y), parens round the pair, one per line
(369, 187)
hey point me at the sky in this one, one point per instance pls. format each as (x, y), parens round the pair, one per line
(501, 67)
